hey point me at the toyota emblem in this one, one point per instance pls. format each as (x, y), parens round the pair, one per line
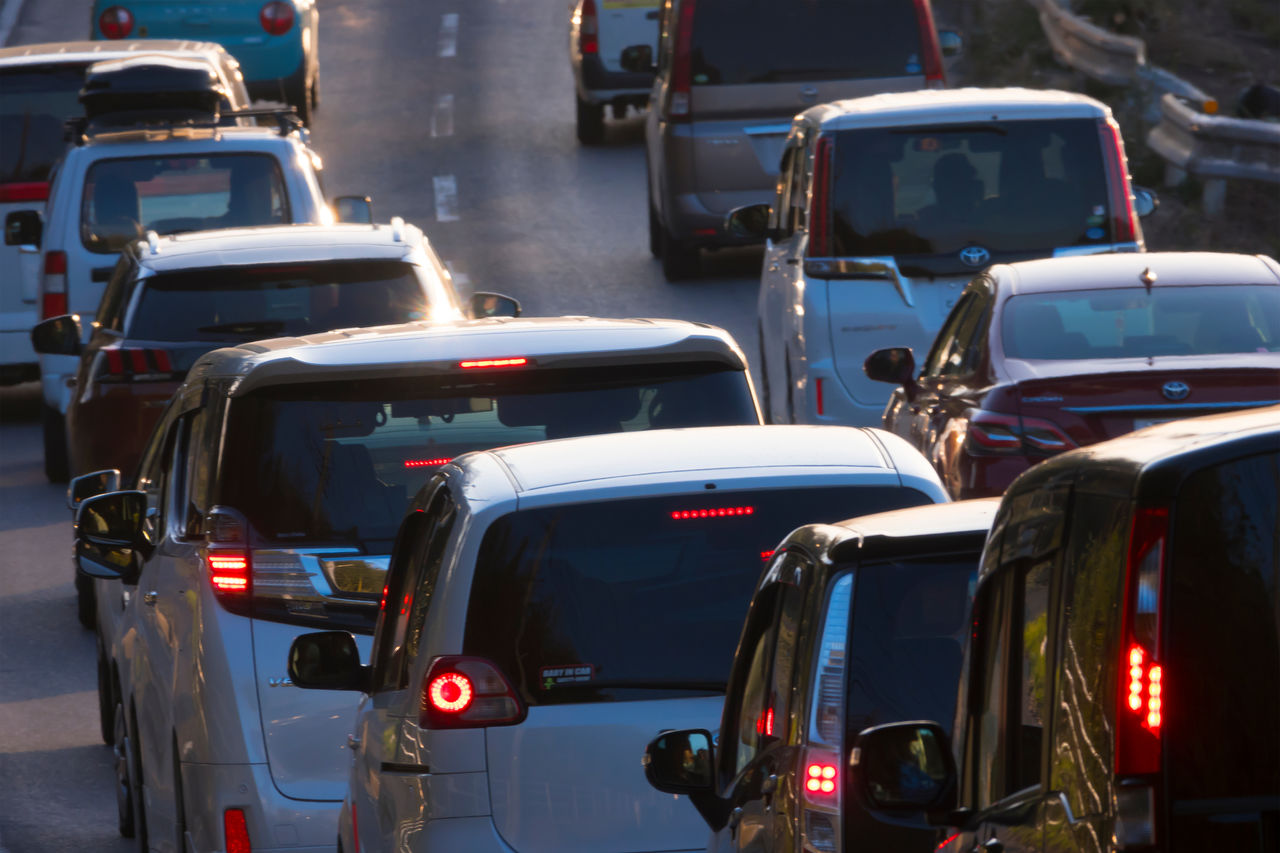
(974, 256)
(1175, 390)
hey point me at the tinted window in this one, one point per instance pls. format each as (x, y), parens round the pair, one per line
(35, 101)
(1011, 187)
(763, 41)
(338, 462)
(248, 303)
(627, 595)
(1132, 322)
(123, 199)
(909, 625)
(1222, 701)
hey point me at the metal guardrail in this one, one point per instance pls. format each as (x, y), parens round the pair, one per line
(1102, 55)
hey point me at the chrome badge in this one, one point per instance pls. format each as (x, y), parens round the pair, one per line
(1175, 390)
(974, 256)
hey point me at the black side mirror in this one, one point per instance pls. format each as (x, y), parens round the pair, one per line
(1145, 201)
(327, 660)
(905, 767)
(57, 335)
(23, 228)
(108, 531)
(750, 222)
(94, 483)
(637, 58)
(950, 43)
(895, 364)
(353, 208)
(485, 304)
(680, 762)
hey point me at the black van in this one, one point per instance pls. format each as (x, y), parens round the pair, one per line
(1122, 684)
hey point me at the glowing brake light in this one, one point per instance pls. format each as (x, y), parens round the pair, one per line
(450, 692)
(493, 362)
(717, 512)
(426, 463)
(236, 829)
(1142, 680)
(229, 572)
(467, 692)
(820, 779)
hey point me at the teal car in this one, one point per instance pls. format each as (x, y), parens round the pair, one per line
(275, 41)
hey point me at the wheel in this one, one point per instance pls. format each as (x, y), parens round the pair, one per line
(655, 232)
(86, 602)
(764, 376)
(125, 764)
(106, 697)
(590, 122)
(53, 427)
(679, 260)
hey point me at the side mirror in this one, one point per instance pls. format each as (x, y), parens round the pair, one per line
(327, 660)
(680, 762)
(108, 530)
(353, 208)
(637, 58)
(24, 228)
(484, 304)
(950, 43)
(1145, 201)
(94, 483)
(895, 364)
(57, 335)
(905, 767)
(750, 222)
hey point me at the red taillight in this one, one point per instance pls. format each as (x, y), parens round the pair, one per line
(1140, 711)
(716, 512)
(465, 692)
(236, 830)
(820, 778)
(817, 397)
(1124, 219)
(115, 22)
(53, 301)
(765, 555)
(229, 572)
(493, 362)
(276, 17)
(764, 723)
(679, 91)
(934, 76)
(128, 364)
(32, 191)
(820, 205)
(587, 28)
(996, 432)
(426, 463)
(53, 305)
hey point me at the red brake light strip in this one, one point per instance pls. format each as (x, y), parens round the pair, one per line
(717, 512)
(493, 362)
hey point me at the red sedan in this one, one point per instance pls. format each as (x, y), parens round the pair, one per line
(1043, 356)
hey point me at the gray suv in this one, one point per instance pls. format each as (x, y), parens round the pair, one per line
(732, 73)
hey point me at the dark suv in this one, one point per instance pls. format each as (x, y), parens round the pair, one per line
(851, 625)
(1122, 686)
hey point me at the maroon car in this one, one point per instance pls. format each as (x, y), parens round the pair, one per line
(1043, 356)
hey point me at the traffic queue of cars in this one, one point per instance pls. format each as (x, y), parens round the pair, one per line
(392, 572)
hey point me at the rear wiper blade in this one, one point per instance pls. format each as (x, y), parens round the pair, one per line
(245, 326)
(648, 684)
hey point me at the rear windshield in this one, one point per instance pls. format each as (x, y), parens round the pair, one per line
(316, 464)
(35, 101)
(775, 41)
(909, 620)
(1014, 187)
(1132, 322)
(247, 303)
(629, 599)
(125, 198)
(1222, 679)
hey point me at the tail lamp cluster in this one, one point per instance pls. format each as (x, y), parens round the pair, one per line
(131, 364)
(460, 692)
(1140, 697)
(53, 302)
(588, 29)
(996, 433)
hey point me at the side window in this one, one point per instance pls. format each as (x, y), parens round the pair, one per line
(966, 354)
(666, 37)
(945, 343)
(164, 477)
(200, 459)
(116, 297)
(778, 716)
(433, 558)
(800, 175)
(750, 723)
(781, 213)
(1030, 669)
(748, 690)
(987, 693)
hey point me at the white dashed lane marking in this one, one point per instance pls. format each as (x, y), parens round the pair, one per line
(446, 190)
(449, 35)
(442, 116)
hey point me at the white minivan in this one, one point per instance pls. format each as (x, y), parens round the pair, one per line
(550, 607)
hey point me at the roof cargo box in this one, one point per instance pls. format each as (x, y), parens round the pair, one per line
(145, 88)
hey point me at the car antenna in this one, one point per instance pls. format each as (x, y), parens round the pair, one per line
(1148, 278)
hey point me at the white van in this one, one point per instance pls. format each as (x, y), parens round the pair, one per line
(550, 606)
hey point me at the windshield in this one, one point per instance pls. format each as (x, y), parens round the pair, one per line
(1021, 187)
(247, 303)
(629, 599)
(1133, 322)
(125, 198)
(763, 41)
(35, 101)
(337, 462)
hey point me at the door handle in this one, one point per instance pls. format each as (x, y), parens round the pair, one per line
(735, 817)
(353, 742)
(150, 597)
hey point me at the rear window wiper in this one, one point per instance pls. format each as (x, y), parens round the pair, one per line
(648, 684)
(246, 326)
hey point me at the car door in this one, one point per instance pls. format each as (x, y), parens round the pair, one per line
(914, 418)
(777, 309)
(386, 795)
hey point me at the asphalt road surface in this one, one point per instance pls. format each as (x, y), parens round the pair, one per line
(456, 116)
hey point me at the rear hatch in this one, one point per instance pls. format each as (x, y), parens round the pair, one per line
(755, 65)
(614, 620)
(622, 23)
(225, 22)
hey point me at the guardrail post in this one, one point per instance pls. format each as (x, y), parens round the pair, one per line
(1214, 196)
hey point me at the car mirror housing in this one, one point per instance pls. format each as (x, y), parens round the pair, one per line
(94, 483)
(353, 208)
(896, 365)
(57, 335)
(749, 222)
(904, 768)
(485, 304)
(23, 228)
(680, 762)
(950, 43)
(1145, 201)
(327, 660)
(108, 532)
(637, 58)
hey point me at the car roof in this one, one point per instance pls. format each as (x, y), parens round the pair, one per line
(1121, 269)
(929, 106)
(425, 348)
(95, 51)
(274, 244)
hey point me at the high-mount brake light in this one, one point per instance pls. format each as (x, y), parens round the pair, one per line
(493, 362)
(679, 91)
(588, 28)
(426, 463)
(236, 830)
(460, 692)
(715, 512)
(820, 200)
(1140, 699)
(934, 75)
(276, 17)
(1124, 218)
(115, 22)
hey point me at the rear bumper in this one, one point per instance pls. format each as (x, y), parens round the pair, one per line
(691, 221)
(275, 823)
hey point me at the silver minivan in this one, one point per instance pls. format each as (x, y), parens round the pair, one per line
(732, 73)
